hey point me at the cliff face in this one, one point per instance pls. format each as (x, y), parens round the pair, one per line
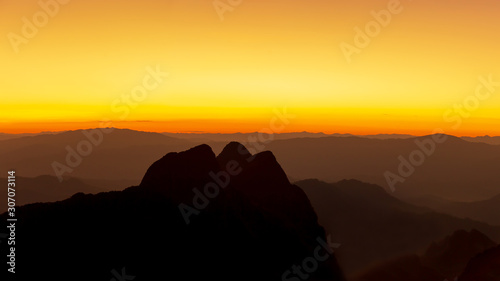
(194, 216)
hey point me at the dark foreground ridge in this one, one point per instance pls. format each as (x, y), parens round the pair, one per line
(256, 226)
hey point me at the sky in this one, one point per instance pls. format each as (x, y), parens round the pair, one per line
(232, 64)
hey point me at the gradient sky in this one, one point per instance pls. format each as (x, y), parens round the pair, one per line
(228, 76)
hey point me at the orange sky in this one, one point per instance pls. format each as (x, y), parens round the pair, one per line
(228, 76)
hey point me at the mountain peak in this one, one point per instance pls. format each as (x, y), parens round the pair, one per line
(178, 169)
(261, 168)
(265, 165)
(177, 173)
(235, 147)
(234, 151)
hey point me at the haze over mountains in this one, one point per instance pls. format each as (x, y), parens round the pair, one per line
(244, 137)
(252, 137)
(457, 170)
(484, 139)
(4, 136)
(49, 189)
(119, 155)
(484, 210)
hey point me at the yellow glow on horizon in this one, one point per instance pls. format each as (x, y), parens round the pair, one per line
(228, 76)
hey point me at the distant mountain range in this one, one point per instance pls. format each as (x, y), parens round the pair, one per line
(245, 137)
(484, 139)
(119, 155)
(458, 170)
(248, 137)
(4, 136)
(49, 189)
(485, 210)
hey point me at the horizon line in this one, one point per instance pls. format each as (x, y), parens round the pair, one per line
(242, 133)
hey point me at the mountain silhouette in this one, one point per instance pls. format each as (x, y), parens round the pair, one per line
(258, 226)
(443, 260)
(483, 267)
(450, 255)
(374, 226)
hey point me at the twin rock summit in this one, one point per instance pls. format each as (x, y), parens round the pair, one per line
(195, 216)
